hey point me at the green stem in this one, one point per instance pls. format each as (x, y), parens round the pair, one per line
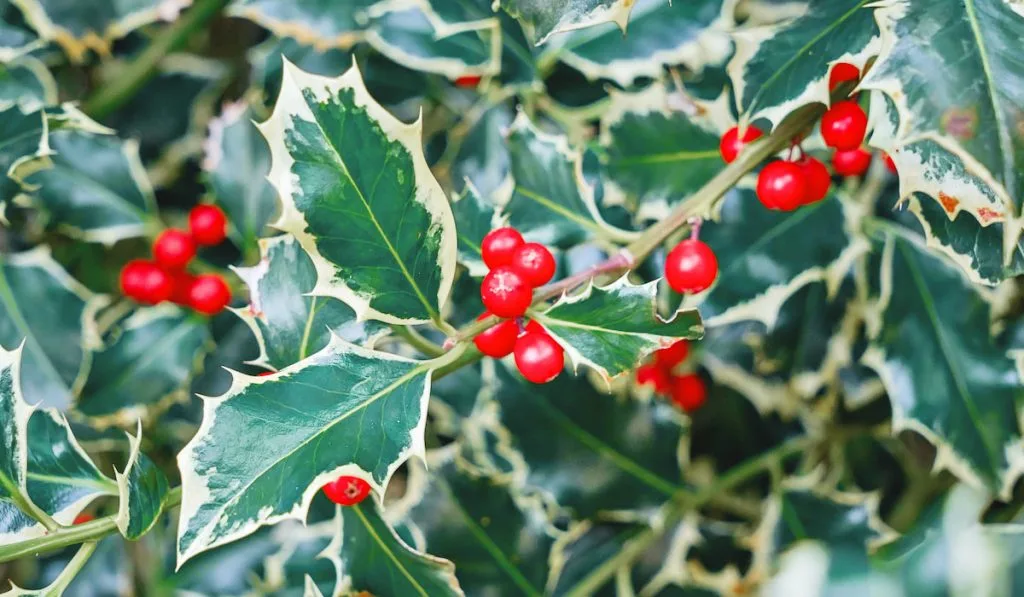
(26, 505)
(72, 569)
(113, 94)
(417, 341)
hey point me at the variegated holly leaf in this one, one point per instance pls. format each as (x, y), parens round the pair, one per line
(661, 34)
(230, 569)
(13, 443)
(958, 102)
(26, 83)
(611, 329)
(237, 162)
(654, 154)
(496, 539)
(142, 491)
(343, 410)
(376, 560)
(23, 147)
(267, 60)
(144, 366)
(483, 156)
(474, 218)
(761, 265)
(585, 547)
(96, 188)
(945, 380)
(551, 202)
(625, 450)
(542, 18)
(288, 323)
(303, 552)
(55, 356)
(779, 68)
(320, 23)
(407, 36)
(356, 191)
(16, 38)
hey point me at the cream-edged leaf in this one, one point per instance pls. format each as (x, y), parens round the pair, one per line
(142, 492)
(542, 18)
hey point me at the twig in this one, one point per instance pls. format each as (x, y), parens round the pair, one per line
(417, 341)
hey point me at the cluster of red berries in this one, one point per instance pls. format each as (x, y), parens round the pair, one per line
(516, 268)
(165, 278)
(347, 490)
(687, 391)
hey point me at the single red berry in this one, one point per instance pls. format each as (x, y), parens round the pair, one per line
(208, 225)
(499, 341)
(539, 358)
(672, 355)
(133, 276)
(731, 143)
(506, 293)
(499, 245)
(817, 179)
(844, 125)
(654, 375)
(146, 282)
(347, 491)
(83, 518)
(889, 164)
(182, 282)
(691, 267)
(853, 162)
(265, 373)
(689, 392)
(173, 249)
(842, 72)
(468, 81)
(781, 185)
(534, 262)
(209, 294)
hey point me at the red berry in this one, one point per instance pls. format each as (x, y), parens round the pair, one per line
(889, 164)
(817, 179)
(468, 81)
(731, 143)
(208, 225)
(499, 341)
(842, 72)
(133, 278)
(209, 294)
(534, 326)
(689, 392)
(853, 162)
(844, 125)
(499, 245)
(347, 491)
(781, 185)
(506, 293)
(83, 518)
(539, 358)
(182, 286)
(672, 355)
(652, 374)
(691, 267)
(534, 262)
(145, 282)
(173, 249)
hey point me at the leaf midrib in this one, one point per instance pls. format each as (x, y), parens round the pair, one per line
(358, 509)
(551, 205)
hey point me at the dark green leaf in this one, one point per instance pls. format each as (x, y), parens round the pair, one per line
(407, 37)
(483, 156)
(474, 218)
(22, 143)
(25, 83)
(323, 23)
(15, 36)
(542, 18)
(142, 491)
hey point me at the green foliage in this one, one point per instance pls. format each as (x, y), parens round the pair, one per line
(862, 356)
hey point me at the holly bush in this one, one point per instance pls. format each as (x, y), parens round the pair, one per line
(754, 268)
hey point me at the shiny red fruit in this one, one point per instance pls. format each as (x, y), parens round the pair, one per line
(133, 277)
(499, 341)
(173, 249)
(889, 164)
(781, 185)
(654, 375)
(816, 178)
(672, 355)
(505, 292)
(347, 491)
(182, 286)
(468, 81)
(264, 373)
(691, 267)
(731, 143)
(146, 282)
(842, 72)
(539, 358)
(853, 162)
(534, 262)
(499, 245)
(689, 392)
(844, 125)
(83, 518)
(208, 225)
(209, 294)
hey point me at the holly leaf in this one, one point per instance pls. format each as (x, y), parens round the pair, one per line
(551, 202)
(144, 366)
(944, 379)
(611, 329)
(475, 218)
(654, 153)
(14, 441)
(142, 492)
(336, 151)
(23, 149)
(26, 83)
(314, 424)
(16, 39)
(483, 156)
(661, 34)
(288, 323)
(760, 264)
(779, 68)
(587, 546)
(543, 18)
(497, 540)
(320, 23)
(55, 358)
(376, 560)
(625, 450)
(236, 162)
